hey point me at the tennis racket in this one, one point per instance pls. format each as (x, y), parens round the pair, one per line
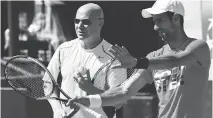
(31, 78)
(106, 75)
(101, 77)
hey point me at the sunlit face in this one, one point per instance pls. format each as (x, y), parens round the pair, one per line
(164, 26)
(86, 26)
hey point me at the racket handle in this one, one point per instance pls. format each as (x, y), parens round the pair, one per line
(97, 115)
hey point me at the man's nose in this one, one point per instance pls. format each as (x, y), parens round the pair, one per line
(80, 24)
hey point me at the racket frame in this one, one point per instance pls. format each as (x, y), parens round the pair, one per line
(97, 115)
(46, 70)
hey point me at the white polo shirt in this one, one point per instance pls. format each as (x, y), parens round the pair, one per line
(69, 56)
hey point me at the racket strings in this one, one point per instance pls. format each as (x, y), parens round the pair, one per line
(34, 80)
(101, 77)
(130, 72)
(29, 88)
(27, 77)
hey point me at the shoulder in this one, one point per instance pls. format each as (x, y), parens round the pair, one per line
(158, 52)
(68, 44)
(104, 48)
(65, 48)
(197, 44)
(200, 50)
(106, 44)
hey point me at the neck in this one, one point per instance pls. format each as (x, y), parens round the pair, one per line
(177, 40)
(91, 43)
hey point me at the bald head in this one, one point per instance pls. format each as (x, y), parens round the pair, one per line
(89, 21)
(91, 10)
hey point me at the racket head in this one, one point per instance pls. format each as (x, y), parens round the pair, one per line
(101, 77)
(21, 72)
(29, 77)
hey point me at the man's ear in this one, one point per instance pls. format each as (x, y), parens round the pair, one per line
(176, 19)
(101, 22)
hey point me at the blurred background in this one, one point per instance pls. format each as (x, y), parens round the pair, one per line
(37, 28)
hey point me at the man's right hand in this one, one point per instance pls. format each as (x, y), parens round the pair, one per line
(82, 100)
(63, 112)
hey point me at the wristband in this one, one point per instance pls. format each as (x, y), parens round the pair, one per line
(142, 63)
(95, 100)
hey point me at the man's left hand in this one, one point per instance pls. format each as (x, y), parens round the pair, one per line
(123, 56)
(83, 80)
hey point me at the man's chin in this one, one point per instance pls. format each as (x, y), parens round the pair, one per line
(81, 37)
(163, 36)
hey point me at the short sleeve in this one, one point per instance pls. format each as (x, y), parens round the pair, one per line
(54, 64)
(201, 51)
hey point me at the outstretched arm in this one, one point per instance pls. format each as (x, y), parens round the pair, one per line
(196, 52)
(118, 94)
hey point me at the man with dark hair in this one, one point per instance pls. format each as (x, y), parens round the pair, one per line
(171, 14)
(179, 69)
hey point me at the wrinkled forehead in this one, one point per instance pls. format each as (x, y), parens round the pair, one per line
(83, 14)
(89, 11)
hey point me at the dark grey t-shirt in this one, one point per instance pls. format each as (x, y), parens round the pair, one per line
(181, 89)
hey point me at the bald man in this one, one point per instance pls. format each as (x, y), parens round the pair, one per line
(90, 51)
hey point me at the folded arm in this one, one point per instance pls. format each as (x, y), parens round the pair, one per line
(196, 52)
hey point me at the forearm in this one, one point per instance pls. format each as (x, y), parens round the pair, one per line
(186, 57)
(114, 96)
(119, 95)
(160, 62)
(93, 90)
(163, 62)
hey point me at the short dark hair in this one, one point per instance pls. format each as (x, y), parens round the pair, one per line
(170, 15)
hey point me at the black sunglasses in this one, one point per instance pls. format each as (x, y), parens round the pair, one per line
(84, 21)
